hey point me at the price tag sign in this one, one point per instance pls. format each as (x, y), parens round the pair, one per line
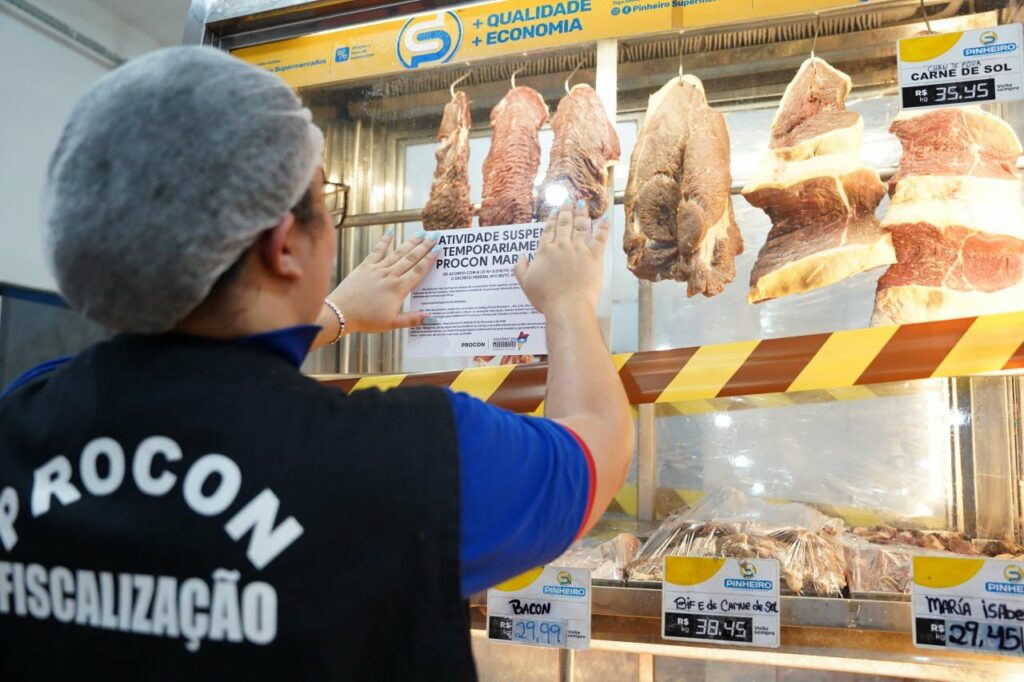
(548, 607)
(721, 601)
(947, 69)
(968, 604)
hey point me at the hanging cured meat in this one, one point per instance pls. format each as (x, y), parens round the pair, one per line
(956, 219)
(449, 206)
(821, 199)
(679, 217)
(585, 146)
(512, 162)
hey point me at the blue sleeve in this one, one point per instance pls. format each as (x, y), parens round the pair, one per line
(527, 487)
(35, 373)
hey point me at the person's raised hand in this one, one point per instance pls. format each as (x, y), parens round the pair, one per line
(568, 266)
(371, 296)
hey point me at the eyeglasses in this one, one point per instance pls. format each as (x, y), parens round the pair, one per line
(336, 201)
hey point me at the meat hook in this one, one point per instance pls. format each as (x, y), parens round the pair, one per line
(924, 13)
(514, 75)
(571, 74)
(814, 41)
(458, 80)
(681, 54)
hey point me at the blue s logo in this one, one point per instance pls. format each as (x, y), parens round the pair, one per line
(988, 37)
(341, 54)
(429, 39)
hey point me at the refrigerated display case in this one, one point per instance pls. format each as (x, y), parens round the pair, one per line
(913, 429)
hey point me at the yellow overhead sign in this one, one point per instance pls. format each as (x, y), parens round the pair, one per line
(492, 29)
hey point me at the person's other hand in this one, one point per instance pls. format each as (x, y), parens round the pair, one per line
(371, 296)
(567, 268)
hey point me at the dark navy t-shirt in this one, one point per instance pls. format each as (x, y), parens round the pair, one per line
(527, 483)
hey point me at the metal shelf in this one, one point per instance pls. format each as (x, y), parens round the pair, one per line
(868, 635)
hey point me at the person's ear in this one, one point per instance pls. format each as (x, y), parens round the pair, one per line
(278, 248)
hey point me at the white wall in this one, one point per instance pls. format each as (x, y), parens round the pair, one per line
(42, 78)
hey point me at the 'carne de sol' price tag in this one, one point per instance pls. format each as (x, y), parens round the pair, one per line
(548, 606)
(721, 601)
(968, 604)
(948, 69)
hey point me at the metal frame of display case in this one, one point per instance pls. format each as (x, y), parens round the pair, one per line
(867, 633)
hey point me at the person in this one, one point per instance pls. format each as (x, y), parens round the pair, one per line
(180, 502)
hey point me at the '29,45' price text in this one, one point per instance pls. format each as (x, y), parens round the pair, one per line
(970, 634)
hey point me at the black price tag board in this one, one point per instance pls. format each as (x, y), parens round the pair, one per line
(940, 94)
(970, 635)
(721, 601)
(952, 69)
(968, 604)
(532, 631)
(735, 629)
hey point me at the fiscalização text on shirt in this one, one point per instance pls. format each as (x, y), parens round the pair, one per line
(145, 604)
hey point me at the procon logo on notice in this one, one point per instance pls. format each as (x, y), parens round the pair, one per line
(429, 39)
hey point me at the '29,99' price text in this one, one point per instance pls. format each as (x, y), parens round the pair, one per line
(527, 631)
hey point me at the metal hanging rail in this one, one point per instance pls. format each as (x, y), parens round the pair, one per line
(413, 215)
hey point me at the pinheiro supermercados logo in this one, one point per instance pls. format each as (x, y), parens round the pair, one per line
(990, 45)
(1013, 575)
(748, 579)
(564, 588)
(429, 39)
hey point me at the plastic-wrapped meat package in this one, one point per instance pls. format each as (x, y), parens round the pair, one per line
(882, 568)
(730, 524)
(606, 561)
(677, 536)
(879, 557)
(877, 568)
(948, 540)
(814, 562)
(1003, 549)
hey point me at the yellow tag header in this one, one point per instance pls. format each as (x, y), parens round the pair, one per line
(688, 570)
(939, 572)
(493, 29)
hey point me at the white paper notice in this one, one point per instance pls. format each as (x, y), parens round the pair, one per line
(475, 298)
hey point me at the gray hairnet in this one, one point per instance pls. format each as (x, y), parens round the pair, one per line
(167, 171)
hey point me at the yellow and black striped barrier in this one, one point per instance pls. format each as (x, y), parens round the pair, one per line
(818, 362)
